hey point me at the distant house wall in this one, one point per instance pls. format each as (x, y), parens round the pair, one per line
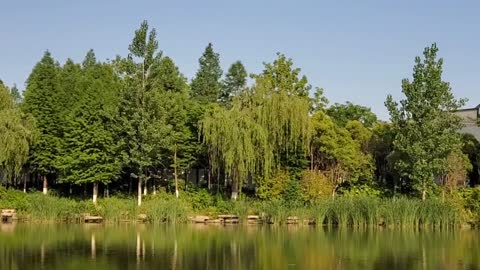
(469, 115)
(471, 119)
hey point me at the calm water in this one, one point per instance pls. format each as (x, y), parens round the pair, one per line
(66, 247)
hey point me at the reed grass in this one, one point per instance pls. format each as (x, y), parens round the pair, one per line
(343, 211)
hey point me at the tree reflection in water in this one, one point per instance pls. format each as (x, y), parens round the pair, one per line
(24, 246)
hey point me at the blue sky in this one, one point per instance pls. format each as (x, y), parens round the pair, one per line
(359, 51)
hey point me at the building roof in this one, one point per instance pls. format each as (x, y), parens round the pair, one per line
(476, 108)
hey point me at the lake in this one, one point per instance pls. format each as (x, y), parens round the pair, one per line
(32, 246)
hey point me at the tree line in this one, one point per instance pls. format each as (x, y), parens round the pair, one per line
(137, 120)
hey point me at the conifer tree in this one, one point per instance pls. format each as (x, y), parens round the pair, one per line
(206, 85)
(91, 152)
(234, 83)
(42, 101)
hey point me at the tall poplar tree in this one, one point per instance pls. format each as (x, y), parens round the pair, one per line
(42, 101)
(141, 127)
(426, 129)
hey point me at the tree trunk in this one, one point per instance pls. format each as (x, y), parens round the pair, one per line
(209, 179)
(175, 171)
(145, 190)
(154, 187)
(45, 185)
(24, 184)
(311, 158)
(234, 191)
(95, 192)
(334, 192)
(424, 194)
(139, 198)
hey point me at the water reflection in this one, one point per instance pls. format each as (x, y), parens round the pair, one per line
(234, 247)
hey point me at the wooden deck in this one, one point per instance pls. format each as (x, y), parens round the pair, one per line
(8, 215)
(230, 219)
(87, 218)
(292, 220)
(253, 219)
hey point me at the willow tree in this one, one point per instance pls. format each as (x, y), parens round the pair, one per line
(272, 117)
(16, 135)
(237, 144)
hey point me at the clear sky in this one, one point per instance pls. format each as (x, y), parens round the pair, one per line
(356, 50)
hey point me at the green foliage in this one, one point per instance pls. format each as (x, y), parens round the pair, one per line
(272, 187)
(17, 134)
(343, 113)
(16, 95)
(363, 190)
(234, 84)
(315, 186)
(206, 85)
(137, 119)
(90, 147)
(269, 120)
(426, 130)
(338, 151)
(470, 200)
(43, 102)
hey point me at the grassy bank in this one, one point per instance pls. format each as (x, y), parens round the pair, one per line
(163, 207)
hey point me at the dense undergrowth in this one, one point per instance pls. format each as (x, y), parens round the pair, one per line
(347, 210)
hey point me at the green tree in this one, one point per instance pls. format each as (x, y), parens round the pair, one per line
(16, 95)
(264, 123)
(42, 101)
(234, 84)
(172, 106)
(381, 147)
(471, 147)
(426, 130)
(337, 153)
(91, 150)
(206, 85)
(342, 113)
(140, 128)
(16, 135)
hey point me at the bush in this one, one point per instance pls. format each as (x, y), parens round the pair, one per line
(470, 201)
(315, 186)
